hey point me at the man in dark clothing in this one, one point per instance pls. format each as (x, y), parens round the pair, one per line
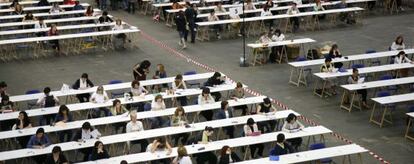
(191, 15)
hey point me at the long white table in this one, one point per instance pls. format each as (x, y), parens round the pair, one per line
(284, 43)
(125, 117)
(366, 70)
(385, 101)
(300, 65)
(30, 2)
(215, 145)
(136, 99)
(119, 138)
(410, 122)
(50, 21)
(36, 8)
(110, 87)
(313, 155)
(368, 85)
(47, 14)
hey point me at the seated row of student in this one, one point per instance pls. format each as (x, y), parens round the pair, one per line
(251, 129)
(213, 81)
(238, 93)
(355, 79)
(267, 108)
(45, 101)
(292, 125)
(82, 84)
(331, 83)
(398, 44)
(180, 84)
(335, 53)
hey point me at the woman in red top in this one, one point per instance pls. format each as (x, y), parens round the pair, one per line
(68, 2)
(55, 43)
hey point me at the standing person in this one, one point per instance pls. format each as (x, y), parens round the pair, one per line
(216, 79)
(39, 141)
(118, 109)
(251, 129)
(64, 116)
(206, 98)
(180, 119)
(226, 112)
(57, 157)
(22, 122)
(55, 43)
(228, 156)
(238, 93)
(140, 70)
(82, 84)
(191, 15)
(398, 44)
(180, 84)
(99, 152)
(135, 126)
(355, 79)
(47, 100)
(181, 24)
(335, 53)
(292, 125)
(292, 11)
(183, 157)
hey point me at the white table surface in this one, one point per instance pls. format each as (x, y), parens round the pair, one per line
(281, 43)
(281, 16)
(379, 83)
(132, 29)
(350, 58)
(29, 2)
(411, 114)
(50, 21)
(394, 98)
(215, 145)
(125, 117)
(312, 155)
(110, 87)
(136, 99)
(365, 70)
(34, 8)
(47, 14)
(118, 138)
(183, 3)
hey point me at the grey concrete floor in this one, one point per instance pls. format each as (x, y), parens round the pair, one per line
(377, 32)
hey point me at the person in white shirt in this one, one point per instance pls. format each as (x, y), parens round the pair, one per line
(291, 125)
(298, 2)
(87, 132)
(182, 157)
(219, 8)
(157, 105)
(318, 7)
(266, 12)
(136, 126)
(236, 25)
(398, 44)
(100, 96)
(276, 50)
(265, 37)
(400, 59)
(40, 24)
(55, 9)
(119, 26)
(291, 11)
(206, 98)
(137, 89)
(180, 84)
(213, 17)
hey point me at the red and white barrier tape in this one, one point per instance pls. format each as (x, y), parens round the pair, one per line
(248, 90)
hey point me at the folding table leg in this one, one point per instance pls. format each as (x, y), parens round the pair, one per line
(407, 131)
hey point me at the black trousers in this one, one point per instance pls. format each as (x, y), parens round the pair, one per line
(295, 21)
(143, 144)
(253, 148)
(183, 137)
(192, 32)
(207, 157)
(216, 95)
(83, 97)
(243, 108)
(363, 93)
(131, 7)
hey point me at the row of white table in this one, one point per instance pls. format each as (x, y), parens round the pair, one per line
(110, 87)
(410, 122)
(215, 145)
(52, 21)
(384, 103)
(283, 55)
(366, 70)
(27, 3)
(47, 14)
(299, 66)
(313, 155)
(167, 131)
(37, 8)
(353, 88)
(125, 117)
(136, 99)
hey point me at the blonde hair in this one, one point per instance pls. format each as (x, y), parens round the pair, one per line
(181, 151)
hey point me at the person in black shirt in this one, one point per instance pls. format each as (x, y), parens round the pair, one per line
(141, 70)
(104, 19)
(56, 157)
(6, 106)
(83, 83)
(334, 53)
(191, 15)
(181, 23)
(43, 3)
(265, 108)
(216, 79)
(3, 88)
(99, 151)
(282, 147)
